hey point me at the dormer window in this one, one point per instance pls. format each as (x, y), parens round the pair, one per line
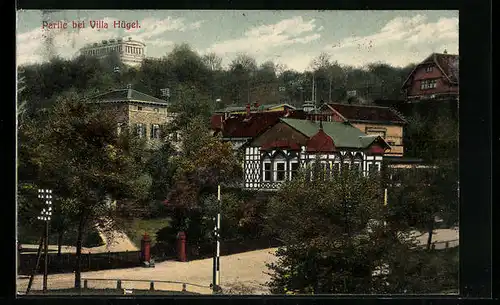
(428, 69)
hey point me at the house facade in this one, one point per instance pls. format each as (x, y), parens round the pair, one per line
(143, 113)
(130, 52)
(277, 154)
(371, 120)
(436, 77)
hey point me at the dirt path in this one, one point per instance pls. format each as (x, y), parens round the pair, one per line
(114, 241)
(244, 271)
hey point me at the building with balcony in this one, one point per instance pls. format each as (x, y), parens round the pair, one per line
(130, 52)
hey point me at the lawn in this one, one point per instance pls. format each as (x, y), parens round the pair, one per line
(135, 231)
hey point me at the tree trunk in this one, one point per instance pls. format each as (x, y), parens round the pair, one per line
(429, 239)
(79, 241)
(59, 242)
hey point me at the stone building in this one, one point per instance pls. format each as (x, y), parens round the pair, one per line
(143, 113)
(130, 52)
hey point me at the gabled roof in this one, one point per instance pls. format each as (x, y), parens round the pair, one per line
(130, 95)
(241, 126)
(367, 113)
(342, 134)
(447, 63)
(262, 107)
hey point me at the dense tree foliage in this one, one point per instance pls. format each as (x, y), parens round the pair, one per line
(243, 81)
(333, 233)
(75, 151)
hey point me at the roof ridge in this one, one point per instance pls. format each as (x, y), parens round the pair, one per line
(357, 105)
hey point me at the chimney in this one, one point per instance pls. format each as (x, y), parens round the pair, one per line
(445, 52)
(248, 109)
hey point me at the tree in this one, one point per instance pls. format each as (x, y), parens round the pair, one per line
(78, 154)
(333, 233)
(212, 61)
(205, 162)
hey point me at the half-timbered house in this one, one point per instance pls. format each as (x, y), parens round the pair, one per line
(277, 154)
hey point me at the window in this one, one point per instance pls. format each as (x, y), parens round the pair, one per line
(336, 168)
(428, 69)
(356, 166)
(376, 131)
(139, 108)
(371, 168)
(294, 168)
(141, 130)
(346, 164)
(428, 84)
(267, 171)
(155, 131)
(280, 171)
(119, 129)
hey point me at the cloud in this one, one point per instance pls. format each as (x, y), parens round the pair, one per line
(264, 38)
(401, 41)
(32, 47)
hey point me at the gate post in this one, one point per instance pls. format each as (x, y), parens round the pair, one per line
(181, 246)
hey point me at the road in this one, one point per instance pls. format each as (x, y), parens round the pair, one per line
(240, 273)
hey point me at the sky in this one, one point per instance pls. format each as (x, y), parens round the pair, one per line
(291, 38)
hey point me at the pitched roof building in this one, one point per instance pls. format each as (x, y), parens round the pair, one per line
(143, 113)
(276, 154)
(372, 120)
(436, 77)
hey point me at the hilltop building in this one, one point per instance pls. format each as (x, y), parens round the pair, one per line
(130, 52)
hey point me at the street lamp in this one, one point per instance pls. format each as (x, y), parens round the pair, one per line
(46, 195)
(216, 264)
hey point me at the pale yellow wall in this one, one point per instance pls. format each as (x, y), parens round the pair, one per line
(147, 116)
(393, 133)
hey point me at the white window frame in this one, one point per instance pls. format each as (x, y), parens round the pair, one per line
(264, 171)
(291, 173)
(359, 164)
(119, 128)
(155, 131)
(141, 130)
(336, 171)
(429, 69)
(275, 170)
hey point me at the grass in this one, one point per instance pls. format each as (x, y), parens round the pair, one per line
(135, 231)
(88, 291)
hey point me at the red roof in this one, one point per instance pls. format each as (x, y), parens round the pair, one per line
(283, 144)
(243, 126)
(380, 114)
(320, 142)
(216, 121)
(448, 63)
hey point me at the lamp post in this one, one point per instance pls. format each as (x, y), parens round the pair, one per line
(46, 195)
(216, 265)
